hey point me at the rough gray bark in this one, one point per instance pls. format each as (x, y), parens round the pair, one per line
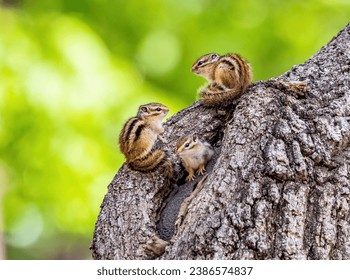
(279, 187)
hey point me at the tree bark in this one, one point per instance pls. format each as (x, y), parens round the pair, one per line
(278, 187)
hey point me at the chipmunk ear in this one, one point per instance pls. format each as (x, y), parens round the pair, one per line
(144, 109)
(195, 138)
(214, 56)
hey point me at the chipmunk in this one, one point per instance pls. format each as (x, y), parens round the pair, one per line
(194, 154)
(139, 135)
(228, 75)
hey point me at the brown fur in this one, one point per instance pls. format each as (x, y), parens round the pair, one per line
(229, 77)
(212, 98)
(194, 156)
(139, 135)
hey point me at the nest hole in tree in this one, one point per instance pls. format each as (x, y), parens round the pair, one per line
(181, 189)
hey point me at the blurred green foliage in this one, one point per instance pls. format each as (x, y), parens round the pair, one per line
(72, 72)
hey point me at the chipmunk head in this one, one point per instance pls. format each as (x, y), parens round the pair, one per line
(152, 110)
(186, 143)
(205, 65)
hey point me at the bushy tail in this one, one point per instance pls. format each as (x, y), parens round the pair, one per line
(168, 169)
(211, 97)
(149, 162)
(153, 160)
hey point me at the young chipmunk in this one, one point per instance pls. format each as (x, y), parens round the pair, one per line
(228, 75)
(139, 135)
(194, 154)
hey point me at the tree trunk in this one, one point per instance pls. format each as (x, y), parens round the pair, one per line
(277, 188)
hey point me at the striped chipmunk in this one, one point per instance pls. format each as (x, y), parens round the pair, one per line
(139, 135)
(194, 154)
(229, 76)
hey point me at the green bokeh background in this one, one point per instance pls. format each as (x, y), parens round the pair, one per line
(72, 72)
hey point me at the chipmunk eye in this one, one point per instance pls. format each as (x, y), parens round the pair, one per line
(158, 109)
(200, 63)
(187, 145)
